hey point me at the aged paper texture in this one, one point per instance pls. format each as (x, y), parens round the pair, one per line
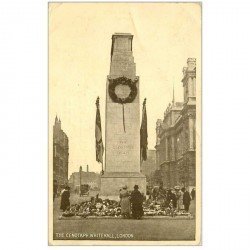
(124, 123)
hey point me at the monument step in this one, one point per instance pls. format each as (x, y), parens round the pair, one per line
(117, 218)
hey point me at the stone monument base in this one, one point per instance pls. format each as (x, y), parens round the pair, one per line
(112, 182)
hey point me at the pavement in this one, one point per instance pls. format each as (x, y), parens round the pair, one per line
(121, 229)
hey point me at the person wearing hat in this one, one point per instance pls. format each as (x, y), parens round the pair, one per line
(179, 198)
(161, 194)
(186, 199)
(173, 198)
(136, 200)
(193, 193)
(65, 203)
(125, 202)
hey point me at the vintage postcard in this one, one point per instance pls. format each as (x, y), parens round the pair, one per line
(124, 123)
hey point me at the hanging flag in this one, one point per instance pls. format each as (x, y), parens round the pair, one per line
(98, 134)
(144, 133)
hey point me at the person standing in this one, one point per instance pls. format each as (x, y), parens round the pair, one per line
(193, 194)
(168, 198)
(155, 193)
(55, 187)
(162, 193)
(179, 198)
(186, 200)
(172, 197)
(170, 202)
(65, 203)
(125, 202)
(136, 200)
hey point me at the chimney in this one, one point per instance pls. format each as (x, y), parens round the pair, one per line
(87, 168)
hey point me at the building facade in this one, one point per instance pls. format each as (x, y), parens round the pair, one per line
(60, 154)
(90, 178)
(176, 136)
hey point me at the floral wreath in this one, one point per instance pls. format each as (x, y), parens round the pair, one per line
(113, 83)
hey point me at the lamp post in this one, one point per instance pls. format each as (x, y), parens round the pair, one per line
(80, 181)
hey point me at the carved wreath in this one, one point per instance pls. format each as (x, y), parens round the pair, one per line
(113, 83)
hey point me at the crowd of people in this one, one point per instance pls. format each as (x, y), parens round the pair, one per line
(178, 198)
(133, 204)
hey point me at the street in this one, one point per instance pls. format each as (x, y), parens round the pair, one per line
(121, 229)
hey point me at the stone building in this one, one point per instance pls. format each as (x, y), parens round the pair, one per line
(90, 178)
(175, 135)
(60, 154)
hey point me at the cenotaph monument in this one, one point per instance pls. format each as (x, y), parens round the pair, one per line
(122, 133)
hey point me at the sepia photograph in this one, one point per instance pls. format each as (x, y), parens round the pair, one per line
(124, 123)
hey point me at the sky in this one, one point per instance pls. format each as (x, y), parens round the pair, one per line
(165, 35)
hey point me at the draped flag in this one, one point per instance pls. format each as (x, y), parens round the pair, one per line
(144, 133)
(98, 134)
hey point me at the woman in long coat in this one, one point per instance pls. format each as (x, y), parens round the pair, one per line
(136, 200)
(125, 202)
(179, 198)
(186, 200)
(65, 203)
